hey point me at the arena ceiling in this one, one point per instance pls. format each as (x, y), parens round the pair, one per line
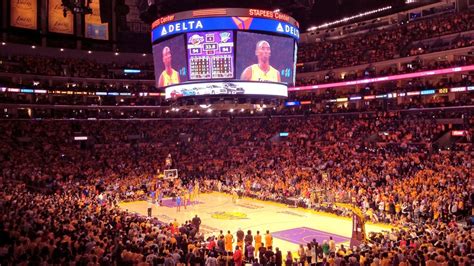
(307, 12)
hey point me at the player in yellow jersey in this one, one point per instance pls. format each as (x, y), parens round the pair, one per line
(169, 76)
(262, 71)
(196, 190)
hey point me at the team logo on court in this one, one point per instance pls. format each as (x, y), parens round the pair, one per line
(229, 215)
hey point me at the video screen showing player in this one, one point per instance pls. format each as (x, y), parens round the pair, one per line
(170, 62)
(265, 58)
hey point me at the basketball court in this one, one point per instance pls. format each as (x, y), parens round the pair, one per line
(289, 226)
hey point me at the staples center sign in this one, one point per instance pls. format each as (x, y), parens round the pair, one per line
(222, 12)
(163, 20)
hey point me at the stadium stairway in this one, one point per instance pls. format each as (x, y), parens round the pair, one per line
(446, 139)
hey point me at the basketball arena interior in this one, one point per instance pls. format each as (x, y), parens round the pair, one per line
(221, 133)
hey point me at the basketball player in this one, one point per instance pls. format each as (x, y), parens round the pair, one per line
(187, 196)
(178, 202)
(160, 197)
(191, 191)
(262, 71)
(235, 195)
(196, 190)
(169, 76)
(185, 200)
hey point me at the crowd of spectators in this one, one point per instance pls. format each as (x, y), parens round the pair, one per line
(326, 95)
(59, 197)
(71, 67)
(321, 101)
(379, 45)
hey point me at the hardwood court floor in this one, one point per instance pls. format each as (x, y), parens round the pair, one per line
(289, 226)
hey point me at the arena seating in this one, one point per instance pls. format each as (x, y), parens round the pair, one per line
(381, 45)
(69, 67)
(55, 210)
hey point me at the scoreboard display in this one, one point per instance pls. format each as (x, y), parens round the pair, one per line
(225, 51)
(210, 55)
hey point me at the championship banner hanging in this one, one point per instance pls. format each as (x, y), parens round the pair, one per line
(94, 29)
(56, 21)
(24, 14)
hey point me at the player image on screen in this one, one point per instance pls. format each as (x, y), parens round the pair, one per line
(169, 59)
(262, 71)
(264, 58)
(169, 76)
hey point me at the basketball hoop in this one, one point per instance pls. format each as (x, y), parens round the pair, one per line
(171, 174)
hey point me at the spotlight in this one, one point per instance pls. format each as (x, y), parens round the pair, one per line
(89, 52)
(62, 49)
(4, 43)
(33, 47)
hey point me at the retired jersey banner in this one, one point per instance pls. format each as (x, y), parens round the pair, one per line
(94, 28)
(24, 14)
(56, 20)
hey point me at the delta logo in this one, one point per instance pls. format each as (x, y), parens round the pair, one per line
(287, 29)
(181, 26)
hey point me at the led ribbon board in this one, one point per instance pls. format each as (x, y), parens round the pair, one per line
(386, 78)
(226, 88)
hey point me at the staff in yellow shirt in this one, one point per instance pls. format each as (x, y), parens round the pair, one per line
(228, 240)
(169, 76)
(268, 240)
(258, 242)
(262, 71)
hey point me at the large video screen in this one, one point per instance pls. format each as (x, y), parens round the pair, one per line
(210, 55)
(170, 62)
(262, 57)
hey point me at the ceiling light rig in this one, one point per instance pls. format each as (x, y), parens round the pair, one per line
(325, 25)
